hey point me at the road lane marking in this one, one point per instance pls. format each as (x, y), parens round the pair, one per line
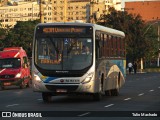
(140, 94)
(159, 87)
(39, 99)
(84, 114)
(12, 105)
(127, 99)
(19, 92)
(109, 105)
(151, 90)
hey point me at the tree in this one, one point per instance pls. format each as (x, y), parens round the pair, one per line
(151, 36)
(2, 35)
(21, 35)
(133, 27)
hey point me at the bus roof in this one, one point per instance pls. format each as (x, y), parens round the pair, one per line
(110, 31)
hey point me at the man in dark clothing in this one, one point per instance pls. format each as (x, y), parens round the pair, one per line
(135, 67)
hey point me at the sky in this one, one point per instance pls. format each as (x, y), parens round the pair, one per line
(140, 0)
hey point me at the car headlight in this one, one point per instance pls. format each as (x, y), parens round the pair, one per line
(37, 78)
(88, 78)
(18, 75)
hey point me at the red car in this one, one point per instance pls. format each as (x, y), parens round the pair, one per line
(14, 67)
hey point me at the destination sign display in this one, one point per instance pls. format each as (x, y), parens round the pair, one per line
(46, 61)
(64, 30)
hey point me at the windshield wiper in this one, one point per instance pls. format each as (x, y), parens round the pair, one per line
(57, 51)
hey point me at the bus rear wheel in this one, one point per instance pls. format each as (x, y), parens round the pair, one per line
(47, 97)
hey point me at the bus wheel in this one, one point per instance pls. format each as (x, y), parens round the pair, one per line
(108, 93)
(47, 97)
(115, 92)
(97, 96)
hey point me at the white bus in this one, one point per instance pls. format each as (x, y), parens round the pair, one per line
(60, 65)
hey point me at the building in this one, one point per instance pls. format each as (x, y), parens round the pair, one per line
(85, 10)
(23, 11)
(148, 9)
(54, 10)
(68, 10)
(3, 2)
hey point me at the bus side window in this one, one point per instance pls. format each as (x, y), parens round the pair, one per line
(98, 45)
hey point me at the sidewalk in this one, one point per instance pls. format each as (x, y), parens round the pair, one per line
(147, 70)
(138, 71)
(151, 70)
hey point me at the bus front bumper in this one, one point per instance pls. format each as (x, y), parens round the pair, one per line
(63, 88)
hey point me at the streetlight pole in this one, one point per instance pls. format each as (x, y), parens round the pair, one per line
(149, 28)
(158, 58)
(143, 35)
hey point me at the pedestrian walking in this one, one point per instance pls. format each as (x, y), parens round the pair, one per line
(130, 65)
(135, 67)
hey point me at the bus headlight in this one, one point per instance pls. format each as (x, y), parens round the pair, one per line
(37, 78)
(88, 78)
(18, 75)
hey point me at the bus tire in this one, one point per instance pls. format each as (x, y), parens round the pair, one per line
(97, 96)
(47, 97)
(108, 93)
(115, 92)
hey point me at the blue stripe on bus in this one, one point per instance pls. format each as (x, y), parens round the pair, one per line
(50, 79)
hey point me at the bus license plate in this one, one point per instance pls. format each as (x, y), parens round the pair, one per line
(7, 83)
(61, 90)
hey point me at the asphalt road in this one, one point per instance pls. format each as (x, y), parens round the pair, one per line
(140, 95)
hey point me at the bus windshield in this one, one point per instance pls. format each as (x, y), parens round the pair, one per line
(10, 63)
(60, 53)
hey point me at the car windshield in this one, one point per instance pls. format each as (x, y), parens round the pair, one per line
(63, 53)
(10, 63)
